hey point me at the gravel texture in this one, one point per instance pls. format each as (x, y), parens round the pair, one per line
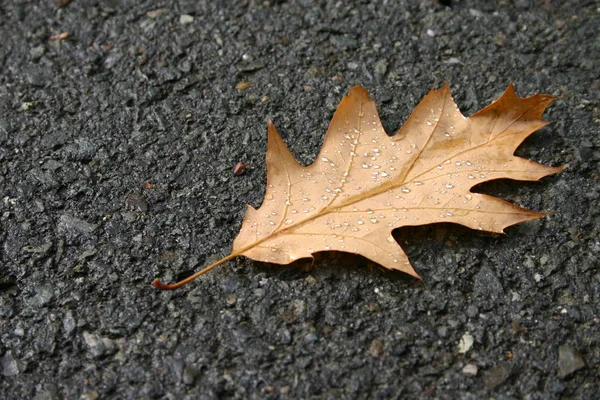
(117, 147)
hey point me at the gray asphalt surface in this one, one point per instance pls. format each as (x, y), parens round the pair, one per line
(117, 145)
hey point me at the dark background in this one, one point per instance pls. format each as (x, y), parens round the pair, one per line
(117, 146)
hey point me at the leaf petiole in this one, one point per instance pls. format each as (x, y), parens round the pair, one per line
(159, 285)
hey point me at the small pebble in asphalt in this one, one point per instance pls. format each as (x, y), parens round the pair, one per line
(569, 360)
(470, 369)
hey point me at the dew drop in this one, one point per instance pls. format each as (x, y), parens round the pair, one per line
(360, 222)
(365, 165)
(468, 163)
(289, 222)
(294, 211)
(374, 220)
(369, 211)
(468, 197)
(449, 185)
(417, 183)
(390, 239)
(429, 123)
(470, 176)
(271, 223)
(405, 190)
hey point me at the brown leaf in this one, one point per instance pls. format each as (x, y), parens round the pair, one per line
(364, 184)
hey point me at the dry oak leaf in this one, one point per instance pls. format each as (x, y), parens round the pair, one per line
(364, 183)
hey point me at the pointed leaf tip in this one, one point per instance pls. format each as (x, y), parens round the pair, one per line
(510, 88)
(445, 88)
(272, 132)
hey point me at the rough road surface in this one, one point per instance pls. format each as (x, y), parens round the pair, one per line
(117, 145)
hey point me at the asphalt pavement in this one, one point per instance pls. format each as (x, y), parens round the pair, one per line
(121, 123)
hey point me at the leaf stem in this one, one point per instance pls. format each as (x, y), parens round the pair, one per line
(159, 285)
